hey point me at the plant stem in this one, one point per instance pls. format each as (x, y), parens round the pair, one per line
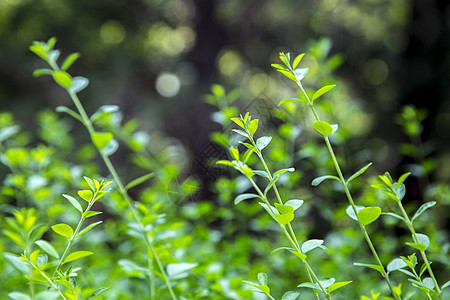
(422, 253)
(349, 196)
(123, 192)
(294, 243)
(46, 277)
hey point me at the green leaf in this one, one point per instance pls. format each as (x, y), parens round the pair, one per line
(288, 74)
(393, 215)
(69, 61)
(240, 132)
(69, 112)
(40, 72)
(375, 267)
(323, 128)
(253, 126)
(320, 179)
(292, 250)
(47, 247)
(275, 178)
(280, 67)
(423, 208)
(368, 215)
(103, 111)
(225, 162)
(262, 142)
(79, 83)
(267, 208)
(284, 209)
(86, 195)
(8, 131)
(297, 60)
(284, 58)
(422, 243)
(243, 197)
(18, 296)
(37, 49)
(295, 203)
(396, 264)
(322, 91)
(97, 292)
(445, 285)
(16, 262)
(262, 278)
(360, 171)
(101, 139)
(290, 100)
(327, 282)
(234, 153)
(290, 295)
(311, 244)
(284, 219)
(77, 255)
(300, 73)
(91, 214)
(74, 202)
(63, 229)
(262, 173)
(338, 285)
(179, 270)
(139, 180)
(403, 178)
(91, 183)
(88, 228)
(310, 285)
(62, 78)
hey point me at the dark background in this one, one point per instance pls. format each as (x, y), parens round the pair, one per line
(394, 52)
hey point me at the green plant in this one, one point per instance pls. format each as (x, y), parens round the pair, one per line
(24, 230)
(282, 212)
(103, 141)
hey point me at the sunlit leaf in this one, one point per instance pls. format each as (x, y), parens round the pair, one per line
(368, 215)
(63, 229)
(77, 255)
(322, 91)
(323, 128)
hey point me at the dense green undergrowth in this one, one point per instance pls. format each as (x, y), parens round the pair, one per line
(315, 218)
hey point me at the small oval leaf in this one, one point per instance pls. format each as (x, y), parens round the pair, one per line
(77, 255)
(368, 215)
(322, 91)
(63, 229)
(323, 128)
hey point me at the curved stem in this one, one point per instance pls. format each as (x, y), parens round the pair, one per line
(124, 193)
(349, 196)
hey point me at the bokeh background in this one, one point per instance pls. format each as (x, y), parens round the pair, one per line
(158, 59)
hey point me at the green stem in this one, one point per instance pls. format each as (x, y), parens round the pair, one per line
(52, 284)
(294, 243)
(422, 253)
(124, 193)
(349, 196)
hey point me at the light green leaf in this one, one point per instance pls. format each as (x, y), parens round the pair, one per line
(91, 214)
(275, 178)
(179, 270)
(139, 180)
(368, 215)
(262, 142)
(323, 128)
(422, 243)
(86, 195)
(243, 197)
(79, 83)
(18, 296)
(320, 179)
(396, 264)
(284, 209)
(101, 139)
(284, 219)
(311, 244)
(40, 72)
(295, 203)
(103, 111)
(290, 295)
(297, 60)
(77, 255)
(261, 173)
(253, 126)
(322, 91)
(394, 215)
(267, 208)
(445, 285)
(327, 282)
(88, 228)
(300, 73)
(97, 292)
(63, 229)
(91, 183)
(360, 171)
(16, 262)
(310, 285)
(240, 132)
(292, 250)
(47, 247)
(338, 285)
(8, 131)
(225, 162)
(62, 78)
(74, 202)
(238, 122)
(290, 100)
(375, 267)
(262, 278)
(288, 74)
(423, 208)
(69, 61)
(69, 112)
